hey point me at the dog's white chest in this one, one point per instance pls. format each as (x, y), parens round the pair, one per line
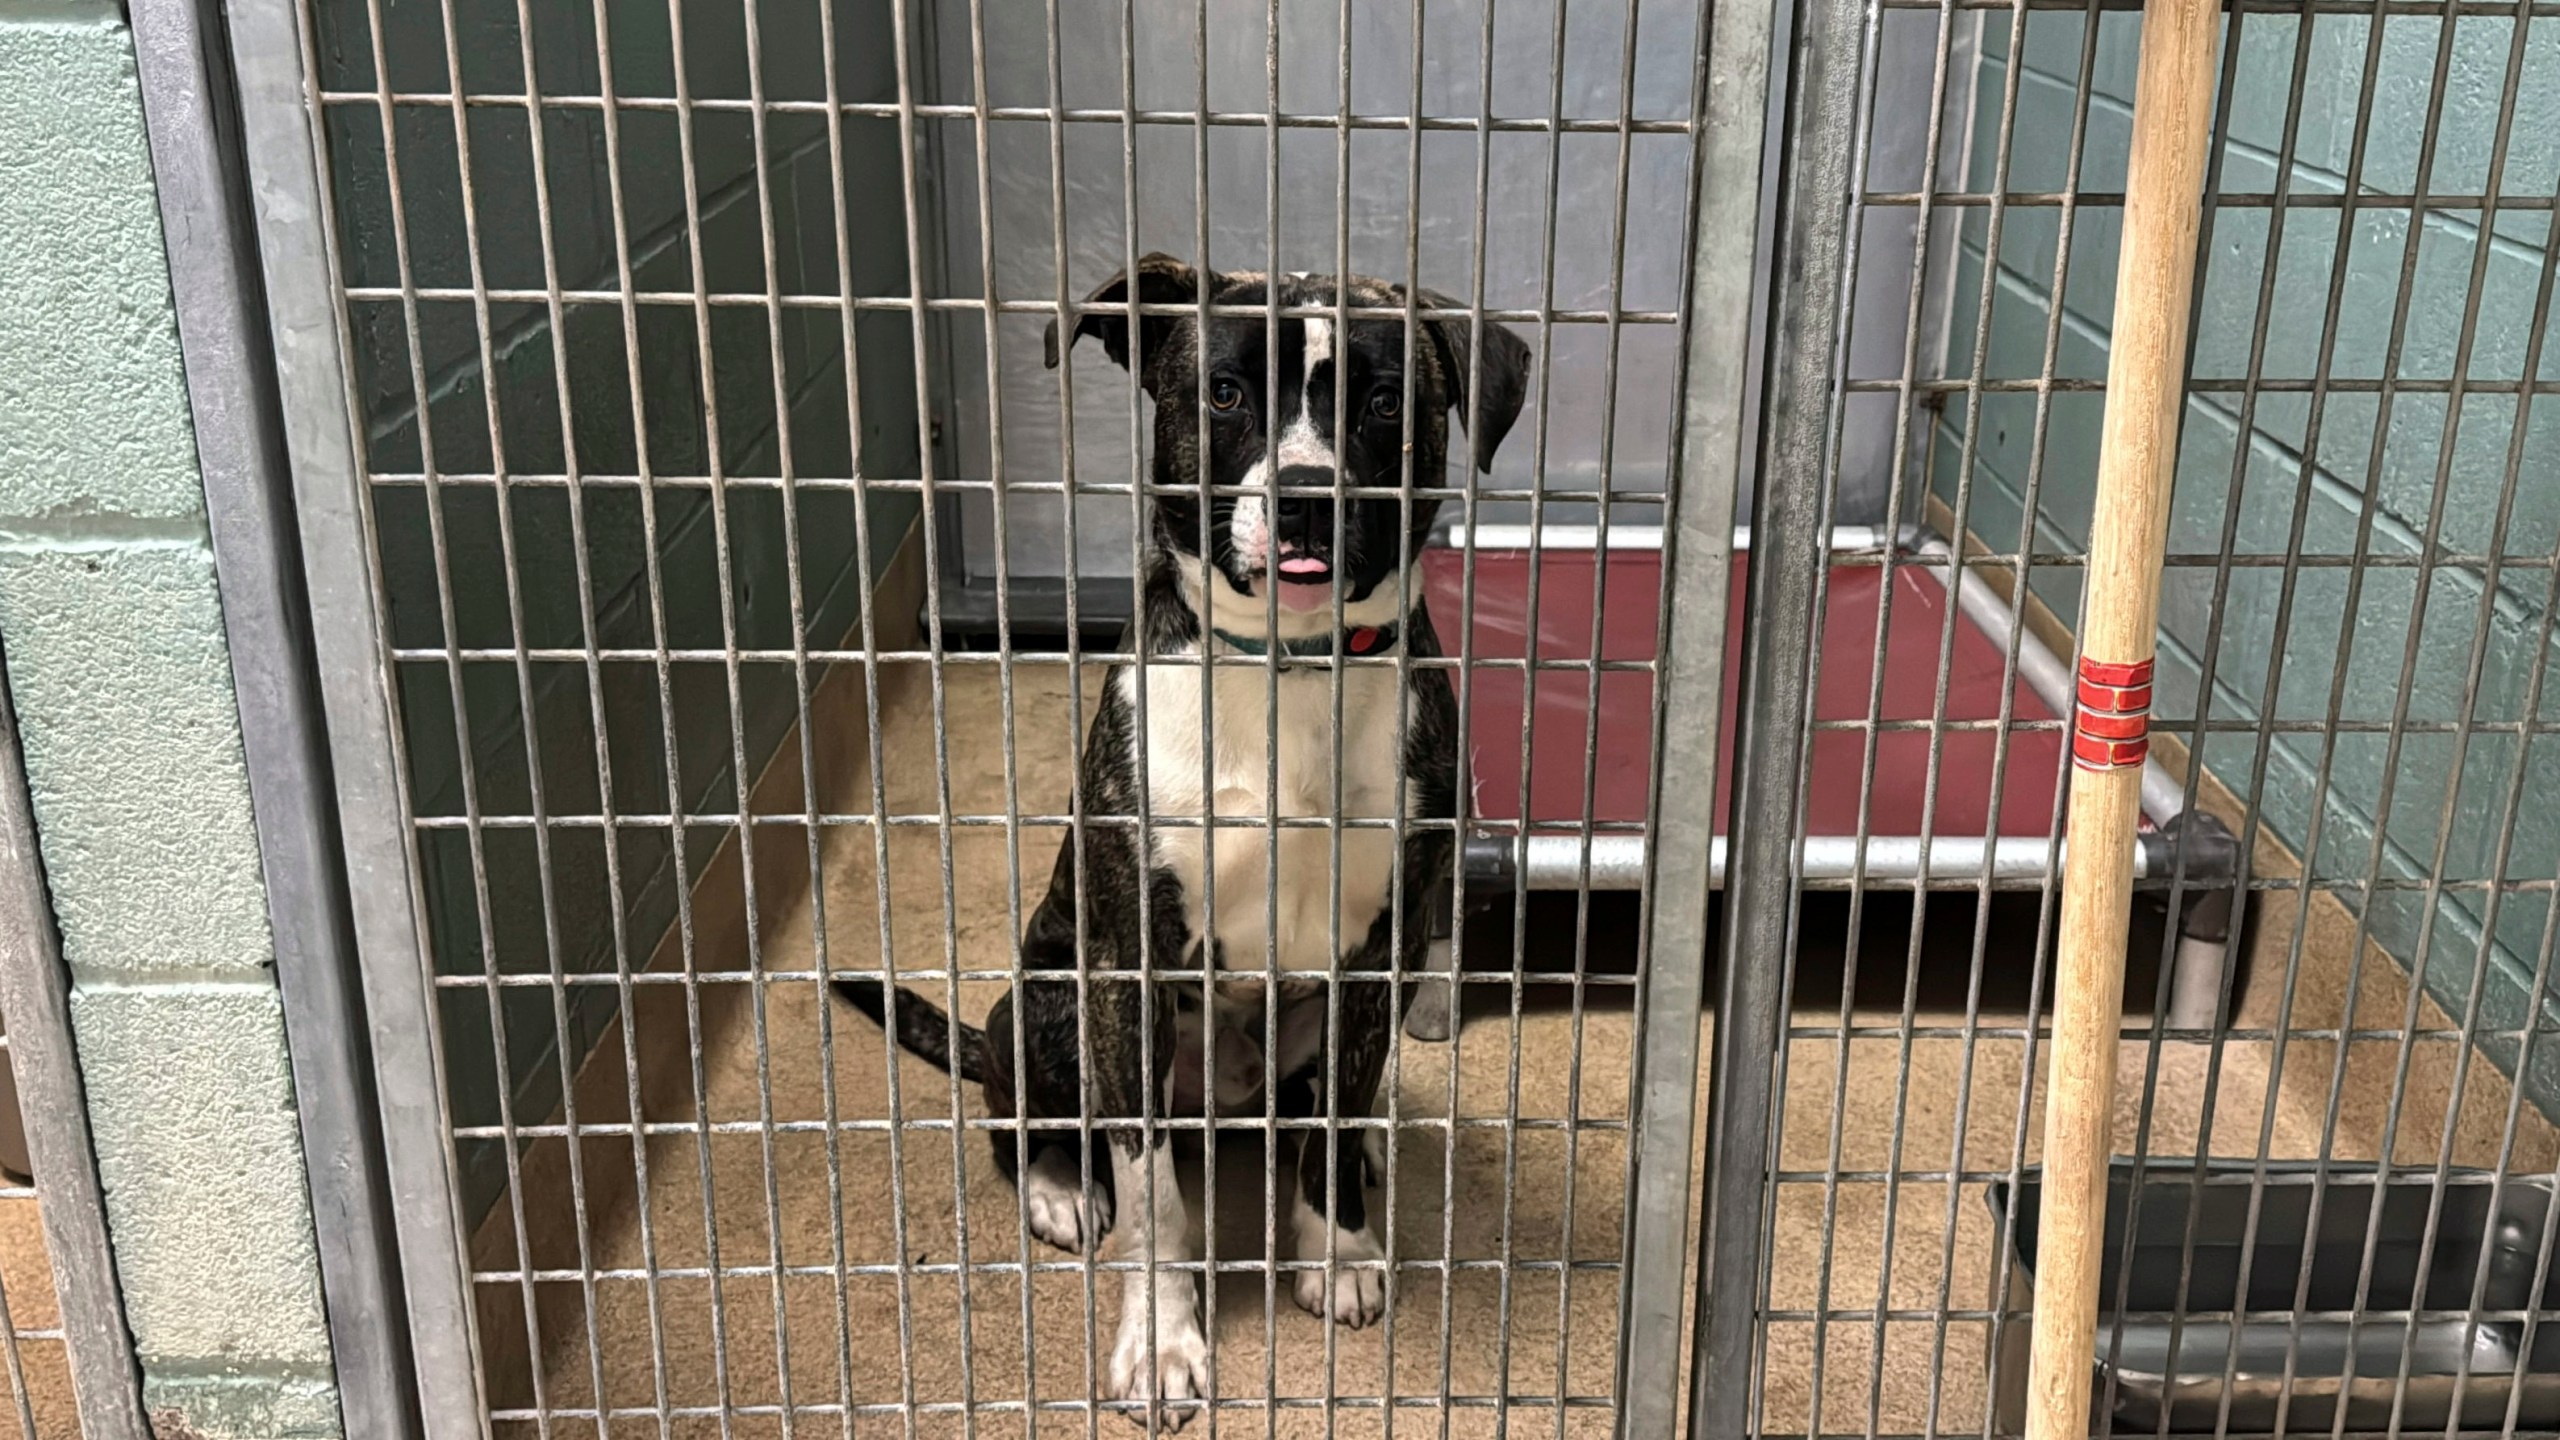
(1245, 775)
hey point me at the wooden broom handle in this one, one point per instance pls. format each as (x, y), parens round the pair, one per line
(2155, 276)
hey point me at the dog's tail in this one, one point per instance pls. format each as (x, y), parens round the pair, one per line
(921, 1028)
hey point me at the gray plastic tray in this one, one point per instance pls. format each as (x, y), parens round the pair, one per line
(2453, 1359)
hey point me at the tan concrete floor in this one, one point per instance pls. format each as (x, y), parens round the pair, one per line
(26, 1279)
(1914, 1106)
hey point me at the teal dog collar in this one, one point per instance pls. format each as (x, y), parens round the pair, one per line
(1358, 640)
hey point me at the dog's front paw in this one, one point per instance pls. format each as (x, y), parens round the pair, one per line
(1175, 1372)
(1354, 1294)
(1054, 1201)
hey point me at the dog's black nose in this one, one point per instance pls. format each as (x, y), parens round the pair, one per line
(1304, 510)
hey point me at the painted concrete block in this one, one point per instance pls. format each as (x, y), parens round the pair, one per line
(241, 1407)
(199, 1152)
(93, 405)
(123, 687)
(2332, 74)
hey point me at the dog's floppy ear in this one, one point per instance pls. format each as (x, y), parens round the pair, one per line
(1503, 368)
(1162, 280)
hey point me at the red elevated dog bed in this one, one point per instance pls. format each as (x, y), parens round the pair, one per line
(1981, 804)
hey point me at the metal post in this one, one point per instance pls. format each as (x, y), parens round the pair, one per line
(1787, 558)
(298, 262)
(1732, 114)
(239, 451)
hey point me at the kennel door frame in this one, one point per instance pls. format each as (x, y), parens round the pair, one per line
(272, 70)
(1725, 298)
(197, 160)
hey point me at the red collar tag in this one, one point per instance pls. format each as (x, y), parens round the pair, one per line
(1363, 640)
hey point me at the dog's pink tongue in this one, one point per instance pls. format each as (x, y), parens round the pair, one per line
(1306, 583)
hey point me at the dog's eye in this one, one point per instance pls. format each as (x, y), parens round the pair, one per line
(1225, 395)
(1387, 404)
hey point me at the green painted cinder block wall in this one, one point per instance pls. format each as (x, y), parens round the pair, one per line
(2406, 458)
(111, 622)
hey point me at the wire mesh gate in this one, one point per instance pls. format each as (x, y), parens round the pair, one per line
(648, 384)
(2332, 1210)
(670, 410)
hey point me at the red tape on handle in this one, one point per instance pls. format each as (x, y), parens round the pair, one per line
(2111, 729)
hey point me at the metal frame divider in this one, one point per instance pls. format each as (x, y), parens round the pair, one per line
(1711, 442)
(231, 394)
(271, 59)
(1789, 529)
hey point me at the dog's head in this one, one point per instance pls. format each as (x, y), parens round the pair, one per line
(1337, 395)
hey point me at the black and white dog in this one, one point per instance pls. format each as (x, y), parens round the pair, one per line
(1275, 566)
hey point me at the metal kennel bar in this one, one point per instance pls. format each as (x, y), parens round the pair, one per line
(285, 162)
(1709, 452)
(192, 118)
(1790, 512)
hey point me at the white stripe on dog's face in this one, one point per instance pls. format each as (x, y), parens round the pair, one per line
(1301, 443)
